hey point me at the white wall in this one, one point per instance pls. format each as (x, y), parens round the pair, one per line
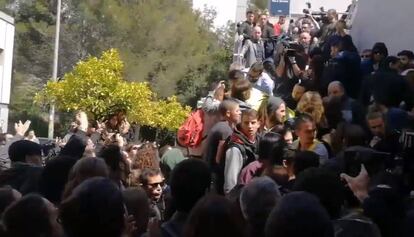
(386, 21)
(6, 59)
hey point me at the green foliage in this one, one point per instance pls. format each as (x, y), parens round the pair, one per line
(97, 87)
(260, 4)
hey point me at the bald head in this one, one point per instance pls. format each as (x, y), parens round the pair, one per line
(305, 38)
(336, 89)
(257, 32)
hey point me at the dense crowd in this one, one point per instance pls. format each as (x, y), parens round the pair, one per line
(307, 137)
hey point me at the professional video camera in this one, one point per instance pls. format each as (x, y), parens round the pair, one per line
(320, 16)
(288, 43)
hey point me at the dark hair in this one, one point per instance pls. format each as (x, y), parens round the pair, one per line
(75, 147)
(83, 169)
(249, 12)
(136, 202)
(20, 149)
(147, 173)
(333, 111)
(95, 208)
(54, 177)
(29, 216)
(326, 185)
(354, 135)
(303, 160)
(6, 198)
(381, 48)
(236, 75)
(241, 90)
(189, 181)
(387, 61)
(408, 53)
(213, 215)
(272, 147)
(112, 156)
(299, 214)
(303, 118)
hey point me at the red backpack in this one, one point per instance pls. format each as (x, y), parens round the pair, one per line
(190, 134)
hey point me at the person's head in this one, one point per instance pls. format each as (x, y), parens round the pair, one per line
(340, 26)
(303, 160)
(406, 57)
(354, 135)
(152, 181)
(213, 215)
(376, 123)
(332, 15)
(83, 169)
(298, 90)
(282, 20)
(230, 110)
(250, 16)
(8, 196)
(271, 149)
(257, 200)
(32, 215)
(336, 47)
(26, 151)
(379, 52)
(241, 90)
(305, 38)
(305, 129)
(255, 71)
(31, 134)
(326, 185)
(190, 180)
(132, 149)
(392, 63)
(366, 54)
(119, 167)
(257, 33)
(336, 89)
(136, 203)
(299, 214)
(235, 75)
(250, 123)
(75, 147)
(112, 121)
(312, 104)
(95, 208)
(275, 111)
(305, 28)
(146, 157)
(263, 18)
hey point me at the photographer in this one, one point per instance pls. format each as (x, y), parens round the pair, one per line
(328, 28)
(290, 69)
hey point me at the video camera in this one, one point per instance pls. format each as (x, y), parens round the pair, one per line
(288, 43)
(320, 16)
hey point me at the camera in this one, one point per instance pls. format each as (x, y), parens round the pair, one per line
(374, 161)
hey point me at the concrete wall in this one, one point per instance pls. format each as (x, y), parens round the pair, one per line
(6, 59)
(386, 21)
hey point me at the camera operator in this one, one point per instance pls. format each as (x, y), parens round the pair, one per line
(329, 27)
(290, 68)
(253, 49)
(245, 29)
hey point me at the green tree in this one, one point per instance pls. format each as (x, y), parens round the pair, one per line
(96, 86)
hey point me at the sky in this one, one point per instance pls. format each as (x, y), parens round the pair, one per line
(226, 9)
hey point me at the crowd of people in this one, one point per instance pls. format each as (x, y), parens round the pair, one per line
(306, 138)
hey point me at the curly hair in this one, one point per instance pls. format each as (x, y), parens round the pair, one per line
(311, 103)
(146, 157)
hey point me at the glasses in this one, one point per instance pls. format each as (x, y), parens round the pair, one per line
(365, 56)
(156, 185)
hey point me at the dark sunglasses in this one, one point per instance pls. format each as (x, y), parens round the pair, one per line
(155, 185)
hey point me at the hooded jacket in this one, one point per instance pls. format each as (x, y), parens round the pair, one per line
(240, 152)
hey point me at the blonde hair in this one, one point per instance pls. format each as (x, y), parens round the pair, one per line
(311, 103)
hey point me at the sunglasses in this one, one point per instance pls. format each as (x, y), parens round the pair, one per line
(155, 185)
(365, 56)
